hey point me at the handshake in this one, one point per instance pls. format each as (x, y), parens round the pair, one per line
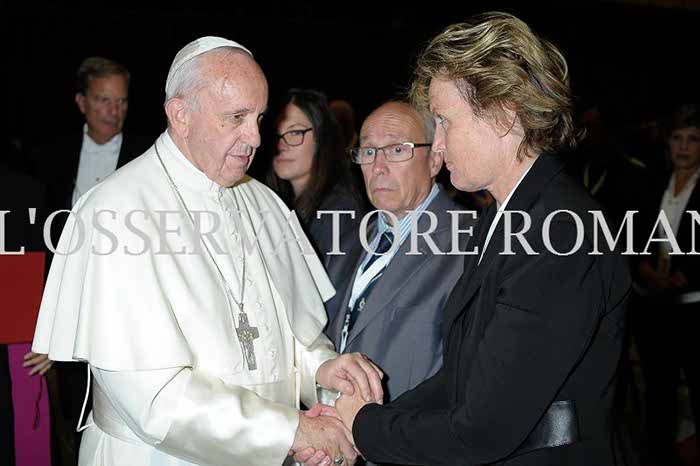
(324, 435)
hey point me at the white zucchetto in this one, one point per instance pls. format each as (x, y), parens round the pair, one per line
(198, 47)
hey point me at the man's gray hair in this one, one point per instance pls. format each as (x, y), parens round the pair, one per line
(428, 124)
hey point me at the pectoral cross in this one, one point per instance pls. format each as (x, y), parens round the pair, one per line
(246, 335)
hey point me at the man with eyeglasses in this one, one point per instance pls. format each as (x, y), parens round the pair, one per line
(389, 301)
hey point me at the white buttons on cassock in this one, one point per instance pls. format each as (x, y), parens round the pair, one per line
(271, 354)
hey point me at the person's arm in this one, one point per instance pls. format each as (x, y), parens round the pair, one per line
(431, 394)
(543, 322)
(309, 359)
(195, 416)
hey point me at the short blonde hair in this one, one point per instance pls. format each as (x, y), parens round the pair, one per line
(498, 63)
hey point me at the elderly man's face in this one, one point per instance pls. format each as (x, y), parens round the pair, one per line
(473, 149)
(104, 106)
(223, 128)
(397, 187)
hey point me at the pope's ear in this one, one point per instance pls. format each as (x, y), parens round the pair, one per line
(178, 116)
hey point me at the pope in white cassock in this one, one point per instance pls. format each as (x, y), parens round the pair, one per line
(185, 288)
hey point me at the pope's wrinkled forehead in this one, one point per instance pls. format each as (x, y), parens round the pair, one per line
(194, 49)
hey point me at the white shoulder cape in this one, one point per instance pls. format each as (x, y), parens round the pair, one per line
(123, 311)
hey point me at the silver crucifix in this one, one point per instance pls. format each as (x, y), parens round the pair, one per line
(246, 335)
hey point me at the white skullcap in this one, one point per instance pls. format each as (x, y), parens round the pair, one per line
(198, 47)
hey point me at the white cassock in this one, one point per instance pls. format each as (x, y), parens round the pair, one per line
(170, 383)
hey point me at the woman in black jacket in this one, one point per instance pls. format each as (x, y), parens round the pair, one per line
(666, 305)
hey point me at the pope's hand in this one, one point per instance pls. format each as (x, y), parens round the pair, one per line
(353, 368)
(324, 438)
(309, 456)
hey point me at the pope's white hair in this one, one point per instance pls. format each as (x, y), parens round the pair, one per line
(189, 79)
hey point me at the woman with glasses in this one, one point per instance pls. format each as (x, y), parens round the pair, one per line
(310, 170)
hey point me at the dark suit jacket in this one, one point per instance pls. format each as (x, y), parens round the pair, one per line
(321, 229)
(687, 264)
(521, 333)
(56, 165)
(400, 326)
(18, 193)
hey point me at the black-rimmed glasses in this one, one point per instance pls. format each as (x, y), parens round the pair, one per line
(399, 152)
(294, 137)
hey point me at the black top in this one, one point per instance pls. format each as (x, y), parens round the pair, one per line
(521, 332)
(321, 230)
(687, 264)
(56, 166)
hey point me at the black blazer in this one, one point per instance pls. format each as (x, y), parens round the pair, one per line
(18, 193)
(521, 333)
(688, 265)
(56, 166)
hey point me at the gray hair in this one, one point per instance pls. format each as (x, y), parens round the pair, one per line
(189, 79)
(428, 124)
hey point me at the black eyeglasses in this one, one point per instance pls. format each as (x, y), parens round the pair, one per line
(393, 152)
(293, 137)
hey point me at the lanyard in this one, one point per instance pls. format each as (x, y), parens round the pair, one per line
(363, 279)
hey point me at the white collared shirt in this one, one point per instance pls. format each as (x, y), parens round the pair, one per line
(363, 278)
(674, 206)
(97, 162)
(404, 229)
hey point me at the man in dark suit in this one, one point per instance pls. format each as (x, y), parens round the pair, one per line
(69, 168)
(534, 327)
(398, 303)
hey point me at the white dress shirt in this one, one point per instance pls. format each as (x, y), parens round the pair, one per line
(97, 162)
(674, 207)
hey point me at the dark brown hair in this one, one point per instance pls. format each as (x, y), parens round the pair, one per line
(98, 67)
(330, 166)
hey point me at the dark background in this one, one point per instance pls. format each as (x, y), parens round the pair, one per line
(629, 58)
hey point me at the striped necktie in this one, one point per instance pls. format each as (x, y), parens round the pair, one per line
(385, 243)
